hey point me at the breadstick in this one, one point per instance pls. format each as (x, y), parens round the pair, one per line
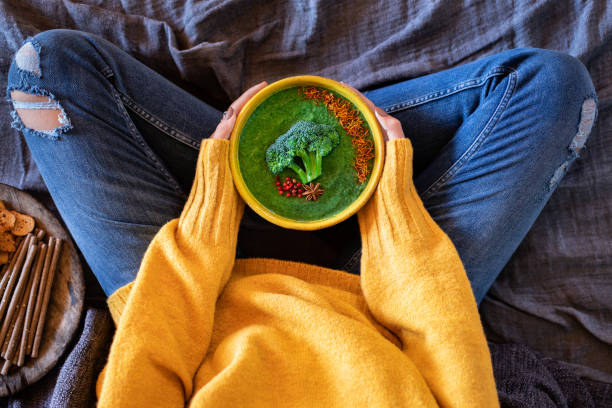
(17, 334)
(6, 341)
(12, 274)
(12, 332)
(41, 321)
(6, 270)
(31, 294)
(40, 293)
(21, 285)
(5, 367)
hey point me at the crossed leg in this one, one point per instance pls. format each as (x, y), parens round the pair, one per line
(492, 140)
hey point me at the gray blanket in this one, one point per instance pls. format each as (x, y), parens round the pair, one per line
(555, 295)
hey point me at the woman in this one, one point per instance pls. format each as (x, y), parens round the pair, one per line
(118, 146)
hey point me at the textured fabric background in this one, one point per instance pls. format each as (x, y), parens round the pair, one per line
(555, 295)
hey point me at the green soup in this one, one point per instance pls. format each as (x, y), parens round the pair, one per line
(272, 118)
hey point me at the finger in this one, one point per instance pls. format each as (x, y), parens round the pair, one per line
(371, 106)
(239, 103)
(224, 128)
(391, 126)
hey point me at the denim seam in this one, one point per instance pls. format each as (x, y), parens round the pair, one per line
(470, 83)
(512, 80)
(147, 150)
(154, 121)
(107, 72)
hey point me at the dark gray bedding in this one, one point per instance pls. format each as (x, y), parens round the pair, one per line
(555, 295)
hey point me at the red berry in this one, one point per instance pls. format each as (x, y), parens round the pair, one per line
(300, 195)
(293, 191)
(288, 195)
(299, 184)
(293, 194)
(280, 192)
(294, 180)
(287, 178)
(278, 183)
(300, 190)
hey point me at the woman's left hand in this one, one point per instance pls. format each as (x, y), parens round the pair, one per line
(391, 127)
(224, 128)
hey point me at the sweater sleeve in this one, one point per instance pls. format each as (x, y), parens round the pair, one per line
(414, 284)
(165, 327)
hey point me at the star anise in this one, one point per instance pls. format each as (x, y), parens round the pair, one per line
(312, 191)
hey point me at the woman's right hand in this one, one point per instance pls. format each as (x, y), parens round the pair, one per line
(391, 127)
(226, 125)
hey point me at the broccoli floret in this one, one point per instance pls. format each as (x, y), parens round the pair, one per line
(278, 158)
(310, 142)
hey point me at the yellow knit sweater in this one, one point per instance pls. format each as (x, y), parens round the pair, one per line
(203, 329)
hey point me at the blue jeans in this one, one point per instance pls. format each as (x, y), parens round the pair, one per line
(491, 138)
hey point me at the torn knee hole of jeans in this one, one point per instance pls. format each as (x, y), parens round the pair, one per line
(558, 175)
(585, 125)
(587, 119)
(27, 58)
(40, 114)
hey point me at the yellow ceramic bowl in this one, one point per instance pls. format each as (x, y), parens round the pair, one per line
(296, 81)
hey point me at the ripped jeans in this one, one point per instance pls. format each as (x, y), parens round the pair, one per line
(492, 139)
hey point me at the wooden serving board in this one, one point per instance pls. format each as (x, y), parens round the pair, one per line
(67, 296)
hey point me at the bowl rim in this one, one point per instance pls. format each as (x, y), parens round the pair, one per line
(345, 92)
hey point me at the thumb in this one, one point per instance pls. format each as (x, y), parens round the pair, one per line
(224, 128)
(392, 128)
